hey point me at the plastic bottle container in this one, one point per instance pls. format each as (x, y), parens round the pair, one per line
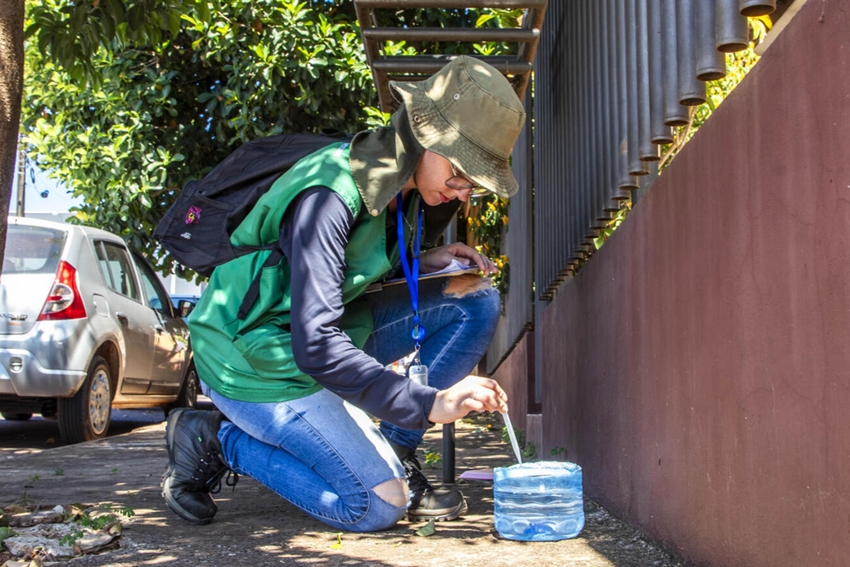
(540, 501)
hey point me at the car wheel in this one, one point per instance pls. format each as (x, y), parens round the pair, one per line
(188, 397)
(86, 416)
(16, 416)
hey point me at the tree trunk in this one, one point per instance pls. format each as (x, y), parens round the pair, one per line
(11, 87)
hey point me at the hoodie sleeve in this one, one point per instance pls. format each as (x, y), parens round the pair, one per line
(314, 234)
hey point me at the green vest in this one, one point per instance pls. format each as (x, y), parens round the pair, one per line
(251, 359)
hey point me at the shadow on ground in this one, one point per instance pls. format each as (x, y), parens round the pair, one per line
(255, 527)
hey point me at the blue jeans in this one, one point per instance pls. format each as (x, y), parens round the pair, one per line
(325, 456)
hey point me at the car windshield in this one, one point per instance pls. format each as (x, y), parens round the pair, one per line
(32, 249)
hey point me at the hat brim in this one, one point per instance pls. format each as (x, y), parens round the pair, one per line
(440, 136)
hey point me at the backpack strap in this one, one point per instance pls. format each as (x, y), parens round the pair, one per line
(274, 258)
(254, 289)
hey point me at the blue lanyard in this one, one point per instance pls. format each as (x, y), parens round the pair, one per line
(411, 274)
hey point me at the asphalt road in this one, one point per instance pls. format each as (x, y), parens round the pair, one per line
(40, 433)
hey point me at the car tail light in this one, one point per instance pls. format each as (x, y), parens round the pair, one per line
(64, 300)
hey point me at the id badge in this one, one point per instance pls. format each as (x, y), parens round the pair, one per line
(419, 373)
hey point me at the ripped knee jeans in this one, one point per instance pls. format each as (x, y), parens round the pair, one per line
(318, 452)
(459, 315)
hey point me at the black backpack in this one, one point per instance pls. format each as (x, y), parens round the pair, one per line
(196, 229)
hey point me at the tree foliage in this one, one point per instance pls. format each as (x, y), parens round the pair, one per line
(126, 100)
(127, 126)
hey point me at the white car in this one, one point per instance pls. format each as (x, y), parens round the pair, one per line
(85, 326)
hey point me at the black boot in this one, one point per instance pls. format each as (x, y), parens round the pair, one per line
(195, 464)
(427, 502)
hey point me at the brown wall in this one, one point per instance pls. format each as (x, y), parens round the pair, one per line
(698, 368)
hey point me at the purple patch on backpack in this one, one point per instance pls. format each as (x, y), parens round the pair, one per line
(193, 215)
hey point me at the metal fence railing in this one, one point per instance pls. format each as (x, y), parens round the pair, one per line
(612, 77)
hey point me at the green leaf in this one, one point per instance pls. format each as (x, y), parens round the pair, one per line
(108, 28)
(114, 9)
(136, 17)
(483, 19)
(6, 532)
(203, 11)
(427, 530)
(77, 18)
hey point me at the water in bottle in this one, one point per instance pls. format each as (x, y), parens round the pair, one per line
(540, 501)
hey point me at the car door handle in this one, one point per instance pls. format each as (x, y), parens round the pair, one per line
(122, 316)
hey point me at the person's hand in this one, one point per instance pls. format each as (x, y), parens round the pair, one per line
(473, 393)
(438, 258)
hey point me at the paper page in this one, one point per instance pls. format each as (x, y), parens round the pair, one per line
(453, 269)
(454, 266)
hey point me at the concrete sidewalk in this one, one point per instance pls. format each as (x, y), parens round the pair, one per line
(256, 527)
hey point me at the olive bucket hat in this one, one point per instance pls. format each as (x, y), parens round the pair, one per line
(468, 113)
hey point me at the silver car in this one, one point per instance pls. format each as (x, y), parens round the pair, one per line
(85, 326)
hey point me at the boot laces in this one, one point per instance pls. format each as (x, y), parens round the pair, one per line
(416, 481)
(209, 471)
(231, 480)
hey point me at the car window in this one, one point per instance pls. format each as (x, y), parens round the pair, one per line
(117, 270)
(33, 249)
(157, 298)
